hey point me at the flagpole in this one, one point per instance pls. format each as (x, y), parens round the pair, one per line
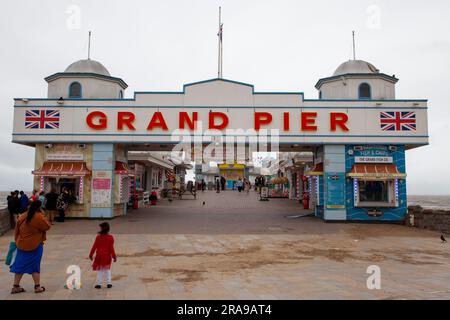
(221, 42)
(89, 46)
(219, 63)
(354, 46)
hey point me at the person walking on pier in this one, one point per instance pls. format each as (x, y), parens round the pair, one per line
(218, 185)
(223, 182)
(50, 205)
(239, 185)
(29, 235)
(24, 201)
(13, 208)
(34, 195)
(62, 204)
(103, 249)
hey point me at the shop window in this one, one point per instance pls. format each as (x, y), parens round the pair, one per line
(373, 191)
(73, 185)
(375, 194)
(365, 92)
(75, 90)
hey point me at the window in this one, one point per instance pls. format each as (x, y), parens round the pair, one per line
(75, 90)
(71, 184)
(365, 91)
(375, 194)
(373, 191)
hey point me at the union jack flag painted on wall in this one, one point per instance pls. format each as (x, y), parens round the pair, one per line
(398, 121)
(42, 119)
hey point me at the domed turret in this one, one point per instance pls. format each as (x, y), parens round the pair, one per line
(356, 66)
(88, 66)
(85, 79)
(357, 79)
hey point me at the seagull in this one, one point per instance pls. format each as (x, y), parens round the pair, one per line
(204, 202)
(443, 239)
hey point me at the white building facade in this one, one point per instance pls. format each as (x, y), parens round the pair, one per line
(357, 131)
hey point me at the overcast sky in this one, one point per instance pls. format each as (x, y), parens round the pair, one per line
(275, 45)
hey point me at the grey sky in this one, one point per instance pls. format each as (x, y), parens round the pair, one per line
(275, 45)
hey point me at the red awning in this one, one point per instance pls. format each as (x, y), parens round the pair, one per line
(375, 171)
(63, 168)
(316, 171)
(122, 168)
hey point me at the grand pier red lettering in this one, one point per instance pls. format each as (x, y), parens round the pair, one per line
(262, 118)
(212, 120)
(308, 121)
(185, 119)
(338, 119)
(125, 119)
(97, 120)
(157, 121)
(286, 123)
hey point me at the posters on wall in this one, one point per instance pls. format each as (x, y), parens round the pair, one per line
(335, 190)
(101, 189)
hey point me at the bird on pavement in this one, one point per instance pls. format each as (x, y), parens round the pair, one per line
(204, 202)
(443, 239)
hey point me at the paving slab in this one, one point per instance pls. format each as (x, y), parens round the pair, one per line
(236, 247)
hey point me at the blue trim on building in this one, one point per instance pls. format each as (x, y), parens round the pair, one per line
(58, 75)
(124, 85)
(212, 134)
(318, 143)
(221, 107)
(356, 75)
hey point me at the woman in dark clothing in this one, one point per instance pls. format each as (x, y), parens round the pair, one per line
(61, 205)
(50, 204)
(13, 208)
(24, 201)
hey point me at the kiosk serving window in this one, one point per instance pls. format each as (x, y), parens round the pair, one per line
(73, 186)
(64, 174)
(375, 185)
(374, 191)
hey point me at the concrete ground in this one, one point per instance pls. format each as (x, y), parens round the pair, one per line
(236, 247)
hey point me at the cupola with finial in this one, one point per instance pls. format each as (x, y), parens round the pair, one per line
(85, 79)
(357, 79)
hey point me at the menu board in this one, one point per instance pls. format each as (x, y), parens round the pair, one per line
(101, 189)
(335, 190)
(264, 192)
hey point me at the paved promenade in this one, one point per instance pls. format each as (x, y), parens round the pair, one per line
(235, 247)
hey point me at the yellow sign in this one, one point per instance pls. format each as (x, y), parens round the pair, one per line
(232, 166)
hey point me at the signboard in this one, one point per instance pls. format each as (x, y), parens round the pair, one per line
(375, 213)
(374, 160)
(217, 107)
(101, 189)
(264, 193)
(335, 190)
(64, 157)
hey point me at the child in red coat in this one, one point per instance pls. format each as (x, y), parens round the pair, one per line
(104, 254)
